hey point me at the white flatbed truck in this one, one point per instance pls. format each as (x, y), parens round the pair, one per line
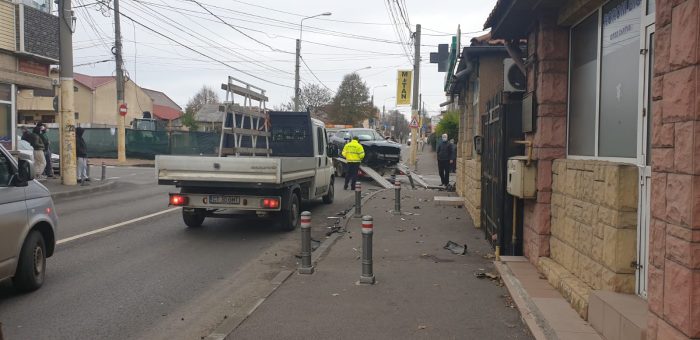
(288, 161)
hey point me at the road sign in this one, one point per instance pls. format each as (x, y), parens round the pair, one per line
(403, 87)
(414, 123)
(122, 110)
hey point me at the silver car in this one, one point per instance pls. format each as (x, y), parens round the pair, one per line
(28, 223)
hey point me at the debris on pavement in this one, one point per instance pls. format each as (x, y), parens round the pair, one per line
(456, 248)
(489, 256)
(435, 259)
(421, 327)
(400, 230)
(335, 294)
(416, 207)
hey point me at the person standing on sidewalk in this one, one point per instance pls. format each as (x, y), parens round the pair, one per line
(48, 169)
(81, 154)
(444, 159)
(354, 153)
(39, 158)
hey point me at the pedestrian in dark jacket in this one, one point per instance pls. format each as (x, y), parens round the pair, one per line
(39, 158)
(444, 159)
(48, 170)
(81, 153)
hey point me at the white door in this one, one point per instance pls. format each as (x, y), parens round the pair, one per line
(644, 210)
(323, 169)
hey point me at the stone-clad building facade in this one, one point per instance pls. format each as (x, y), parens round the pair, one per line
(616, 145)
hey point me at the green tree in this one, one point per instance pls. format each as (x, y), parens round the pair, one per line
(188, 120)
(351, 104)
(449, 124)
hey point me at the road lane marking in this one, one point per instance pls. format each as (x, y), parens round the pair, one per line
(114, 226)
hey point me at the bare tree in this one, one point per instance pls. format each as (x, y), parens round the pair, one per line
(351, 104)
(205, 95)
(311, 96)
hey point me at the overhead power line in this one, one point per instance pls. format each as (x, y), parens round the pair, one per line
(201, 53)
(314, 74)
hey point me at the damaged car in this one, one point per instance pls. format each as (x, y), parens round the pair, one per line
(380, 154)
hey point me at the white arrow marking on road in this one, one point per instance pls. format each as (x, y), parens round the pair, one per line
(114, 226)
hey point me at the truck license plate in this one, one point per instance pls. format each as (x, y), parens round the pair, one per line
(221, 199)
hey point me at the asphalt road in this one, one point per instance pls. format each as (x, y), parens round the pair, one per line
(152, 278)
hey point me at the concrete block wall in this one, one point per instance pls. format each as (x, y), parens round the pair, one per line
(674, 250)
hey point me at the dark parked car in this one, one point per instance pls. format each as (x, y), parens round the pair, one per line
(379, 152)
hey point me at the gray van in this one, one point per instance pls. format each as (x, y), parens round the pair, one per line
(28, 223)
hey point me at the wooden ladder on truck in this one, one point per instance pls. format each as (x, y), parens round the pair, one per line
(247, 123)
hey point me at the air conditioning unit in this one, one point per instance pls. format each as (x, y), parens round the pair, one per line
(513, 79)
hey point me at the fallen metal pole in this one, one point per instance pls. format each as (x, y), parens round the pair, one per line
(397, 198)
(306, 267)
(367, 231)
(358, 200)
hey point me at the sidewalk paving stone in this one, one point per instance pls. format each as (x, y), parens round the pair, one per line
(422, 290)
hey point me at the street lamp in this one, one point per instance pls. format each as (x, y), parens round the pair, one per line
(364, 68)
(296, 73)
(376, 87)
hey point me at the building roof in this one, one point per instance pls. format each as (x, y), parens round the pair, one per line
(163, 107)
(93, 82)
(209, 113)
(166, 112)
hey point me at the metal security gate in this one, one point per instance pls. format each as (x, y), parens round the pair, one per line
(501, 127)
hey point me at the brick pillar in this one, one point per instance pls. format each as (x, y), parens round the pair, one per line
(674, 249)
(549, 43)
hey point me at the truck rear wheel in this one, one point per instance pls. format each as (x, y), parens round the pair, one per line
(291, 217)
(193, 218)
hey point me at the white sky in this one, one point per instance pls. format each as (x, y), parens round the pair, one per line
(157, 63)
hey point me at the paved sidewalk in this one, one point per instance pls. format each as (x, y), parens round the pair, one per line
(422, 290)
(59, 190)
(147, 163)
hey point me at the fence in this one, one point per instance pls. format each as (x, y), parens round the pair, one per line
(102, 143)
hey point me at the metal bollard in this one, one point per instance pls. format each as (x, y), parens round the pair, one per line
(397, 198)
(104, 172)
(358, 200)
(87, 169)
(393, 179)
(367, 231)
(306, 267)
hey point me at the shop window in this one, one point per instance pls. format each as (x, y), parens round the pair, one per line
(604, 82)
(619, 84)
(6, 124)
(5, 92)
(582, 95)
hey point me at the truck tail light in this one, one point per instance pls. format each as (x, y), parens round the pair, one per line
(178, 200)
(271, 203)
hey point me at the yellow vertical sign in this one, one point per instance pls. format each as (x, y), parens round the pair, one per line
(403, 87)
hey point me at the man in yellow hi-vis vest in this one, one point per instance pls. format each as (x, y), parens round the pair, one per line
(353, 153)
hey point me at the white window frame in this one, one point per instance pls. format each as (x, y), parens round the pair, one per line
(645, 21)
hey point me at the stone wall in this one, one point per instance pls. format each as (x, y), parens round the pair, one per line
(593, 228)
(472, 189)
(547, 77)
(674, 250)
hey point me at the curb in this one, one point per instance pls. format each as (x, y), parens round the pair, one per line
(83, 191)
(531, 315)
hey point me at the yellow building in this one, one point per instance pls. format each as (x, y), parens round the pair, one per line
(96, 101)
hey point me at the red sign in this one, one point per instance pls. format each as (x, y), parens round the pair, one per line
(122, 110)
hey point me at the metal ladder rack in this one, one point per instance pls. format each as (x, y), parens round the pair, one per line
(248, 121)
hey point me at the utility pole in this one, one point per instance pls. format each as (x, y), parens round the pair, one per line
(67, 126)
(416, 100)
(121, 120)
(296, 78)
